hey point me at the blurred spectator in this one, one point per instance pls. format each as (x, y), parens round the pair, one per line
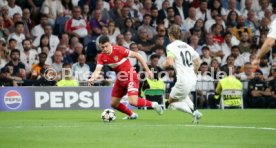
(26, 18)
(5, 77)
(264, 67)
(143, 42)
(35, 71)
(146, 7)
(68, 7)
(38, 30)
(4, 54)
(128, 39)
(13, 8)
(85, 13)
(28, 56)
(238, 58)
(217, 6)
(17, 66)
(80, 69)
(100, 5)
(78, 50)
(77, 26)
(46, 50)
(128, 26)
(194, 42)
(271, 71)
(232, 19)
(258, 93)
(57, 61)
(146, 25)
(35, 8)
(12, 44)
(189, 22)
(162, 13)
(252, 21)
(232, 7)
(181, 8)
(215, 49)
(161, 32)
(3, 31)
(116, 11)
(248, 73)
(53, 39)
(204, 84)
(7, 19)
(67, 78)
(169, 20)
(154, 17)
(3, 3)
(52, 8)
(160, 51)
(217, 31)
(240, 28)
(202, 11)
(113, 31)
(205, 57)
(44, 41)
(252, 4)
(134, 62)
(245, 43)
(153, 64)
(120, 40)
(97, 22)
(264, 6)
(18, 35)
(230, 66)
(18, 18)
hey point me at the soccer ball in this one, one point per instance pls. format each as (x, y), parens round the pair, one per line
(108, 115)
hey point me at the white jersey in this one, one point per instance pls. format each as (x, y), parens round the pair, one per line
(272, 30)
(184, 55)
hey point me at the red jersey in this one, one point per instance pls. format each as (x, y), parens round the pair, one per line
(117, 60)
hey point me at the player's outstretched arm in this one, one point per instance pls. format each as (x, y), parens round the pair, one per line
(269, 42)
(95, 74)
(143, 63)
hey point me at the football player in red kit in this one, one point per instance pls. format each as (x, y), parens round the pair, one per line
(127, 81)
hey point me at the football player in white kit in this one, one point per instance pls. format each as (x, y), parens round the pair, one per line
(268, 43)
(185, 60)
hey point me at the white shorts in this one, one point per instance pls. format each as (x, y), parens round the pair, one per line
(182, 88)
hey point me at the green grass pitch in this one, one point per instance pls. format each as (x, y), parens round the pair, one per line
(79, 129)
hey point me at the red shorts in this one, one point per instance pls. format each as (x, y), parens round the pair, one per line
(129, 87)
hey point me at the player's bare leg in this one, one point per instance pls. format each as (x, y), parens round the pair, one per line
(115, 103)
(141, 102)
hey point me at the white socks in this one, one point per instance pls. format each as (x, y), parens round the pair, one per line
(185, 105)
(182, 106)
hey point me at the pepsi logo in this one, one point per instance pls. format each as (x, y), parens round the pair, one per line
(13, 99)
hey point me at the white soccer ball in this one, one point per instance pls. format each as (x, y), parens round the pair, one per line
(108, 115)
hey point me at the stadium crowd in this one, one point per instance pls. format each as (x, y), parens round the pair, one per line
(38, 38)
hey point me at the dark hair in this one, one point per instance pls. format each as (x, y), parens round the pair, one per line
(14, 51)
(203, 64)
(65, 64)
(169, 8)
(40, 43)
(205, 47)
(25, 41)
(132, 44)
(154, 56)
(103, 39)
(18, 23)
(42, 53)
(235, 46)
(12, 39)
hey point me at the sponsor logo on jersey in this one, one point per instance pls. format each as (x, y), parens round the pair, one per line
(116, 58)
(13, 99)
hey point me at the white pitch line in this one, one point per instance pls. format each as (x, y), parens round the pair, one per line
(233, 127)
(148, 125)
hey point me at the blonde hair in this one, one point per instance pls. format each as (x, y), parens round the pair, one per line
(175, 32)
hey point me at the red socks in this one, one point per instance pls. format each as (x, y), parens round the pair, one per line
(122, 108)
(143, 103)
